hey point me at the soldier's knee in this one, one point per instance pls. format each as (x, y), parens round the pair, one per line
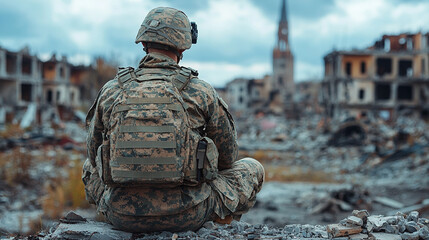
(256, 168)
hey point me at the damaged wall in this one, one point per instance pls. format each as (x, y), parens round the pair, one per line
(387, 76)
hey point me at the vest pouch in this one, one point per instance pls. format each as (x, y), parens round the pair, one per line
(211, 160)
(102, 161)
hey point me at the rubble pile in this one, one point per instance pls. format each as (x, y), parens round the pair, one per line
(35, 175)
(360, 225)
(353, 149)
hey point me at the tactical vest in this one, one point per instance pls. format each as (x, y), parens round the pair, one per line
(149, 140)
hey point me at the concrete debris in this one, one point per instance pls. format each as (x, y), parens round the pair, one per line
(362, 214)
(388, 202)
(385, 236)
(243, 230)
(349, 134)
(338, 230)
(71, 217)
(423, 206)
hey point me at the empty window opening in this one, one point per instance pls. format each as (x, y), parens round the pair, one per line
(26, 65)
(382, 91)
(62, 74)
(384, 66)
(423, 67)
(361, 94)
(405, 68)
(49, 97)
(240, 100)
(422, 95)
(26, 90)
(363, 67)
(48, 71)
(58, 95)
(280, 80)
(409, 44)
(10, 63)
(405, 92)
(348, 68)
(386, 44)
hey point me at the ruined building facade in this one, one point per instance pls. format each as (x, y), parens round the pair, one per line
(52, 87)
(387, 78)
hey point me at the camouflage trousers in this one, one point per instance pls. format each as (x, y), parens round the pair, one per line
(233, 192)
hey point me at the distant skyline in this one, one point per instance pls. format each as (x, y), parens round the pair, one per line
(236, 37)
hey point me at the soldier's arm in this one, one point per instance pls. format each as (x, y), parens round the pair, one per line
(221, 130)
(95, 128)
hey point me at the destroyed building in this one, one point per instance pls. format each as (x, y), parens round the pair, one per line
(245, 95)
(53, 87)
(382, 80)
(306, 95)
(20, 79)
(272, 93)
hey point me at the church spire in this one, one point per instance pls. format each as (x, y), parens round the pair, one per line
(283, 31)
(283, 16)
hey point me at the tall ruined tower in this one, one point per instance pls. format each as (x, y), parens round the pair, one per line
(282, 80)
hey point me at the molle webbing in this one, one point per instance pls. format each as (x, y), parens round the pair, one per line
(145, 144)
(145, 129)
(145, 175)
(150, 140)
(142, 101)
(154, 100)
(121, 108)
(146, 160)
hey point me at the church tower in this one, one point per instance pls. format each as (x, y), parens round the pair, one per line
(282, 80)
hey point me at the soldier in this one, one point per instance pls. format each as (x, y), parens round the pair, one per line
(162, 149)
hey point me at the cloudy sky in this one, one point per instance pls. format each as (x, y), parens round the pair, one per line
(236, 37)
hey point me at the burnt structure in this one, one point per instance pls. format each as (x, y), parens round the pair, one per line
(54, 87)
(384, 79)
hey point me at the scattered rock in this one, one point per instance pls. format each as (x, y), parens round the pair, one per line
(413, 216)
(412, 227)
(376, 228)
(385, 236)
(336, 230)
(362, 214)
(410, 236)
(71, 217)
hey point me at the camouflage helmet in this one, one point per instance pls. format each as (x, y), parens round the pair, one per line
(166, 26)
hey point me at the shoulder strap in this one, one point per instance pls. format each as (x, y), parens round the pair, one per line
(183, 77)
(125, 74)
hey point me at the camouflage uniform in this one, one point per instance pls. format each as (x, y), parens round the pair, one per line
(146, 209)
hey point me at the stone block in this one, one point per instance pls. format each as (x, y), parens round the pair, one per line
(410, 236)
(385, 236)
(412, 227)
(354, 221)
(358, 236)
(413, 216)
(336, 230)
(362, 214)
